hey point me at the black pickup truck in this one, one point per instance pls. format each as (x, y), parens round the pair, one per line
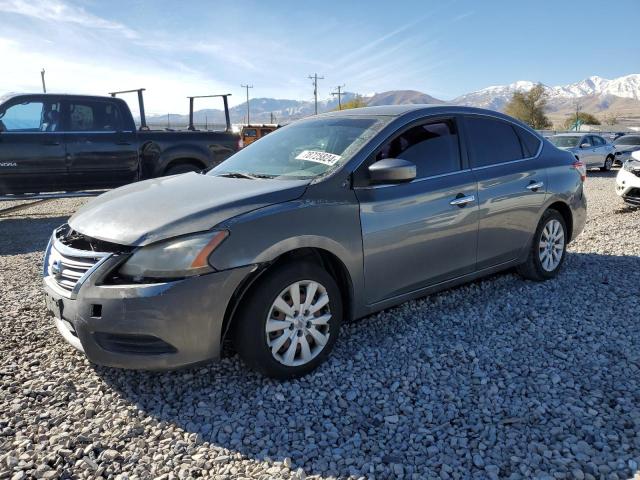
(67, 143)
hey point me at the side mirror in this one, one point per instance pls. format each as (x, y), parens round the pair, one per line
(392, 170)
(585, 145)
(2, 127)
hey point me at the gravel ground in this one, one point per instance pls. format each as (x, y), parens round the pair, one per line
(501, 378)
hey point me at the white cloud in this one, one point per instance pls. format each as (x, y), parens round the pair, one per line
(56, 11)
(83, 53)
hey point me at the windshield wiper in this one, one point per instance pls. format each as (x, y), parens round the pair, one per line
(237, 175)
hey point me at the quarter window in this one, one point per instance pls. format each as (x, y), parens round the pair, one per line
(432, 147)
(93, 117)
(492, 141)
(530, 143)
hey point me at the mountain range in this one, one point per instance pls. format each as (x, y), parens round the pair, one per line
(619, 97)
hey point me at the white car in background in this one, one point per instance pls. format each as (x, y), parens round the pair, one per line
(590, 149)
(624, 145)
(628, 180)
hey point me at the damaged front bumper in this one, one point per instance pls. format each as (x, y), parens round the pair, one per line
(142, 326)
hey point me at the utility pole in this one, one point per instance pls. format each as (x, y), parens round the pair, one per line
(315, 79)
(578, 108)
(44, 86)
(247, 87)
(339, 93)
(273, 120)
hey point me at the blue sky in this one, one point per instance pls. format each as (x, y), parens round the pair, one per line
(444, 48)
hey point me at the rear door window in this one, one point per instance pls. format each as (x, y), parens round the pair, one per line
(433, 147)
(492, 141)
(94, 116)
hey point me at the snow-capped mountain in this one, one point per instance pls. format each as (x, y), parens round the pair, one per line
(495, 97)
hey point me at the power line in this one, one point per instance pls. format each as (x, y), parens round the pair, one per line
(339, 93)
(247, 87)
(315, 79)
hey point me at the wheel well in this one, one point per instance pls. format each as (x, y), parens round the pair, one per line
(564, 210)
(184, 161)
(326, 259)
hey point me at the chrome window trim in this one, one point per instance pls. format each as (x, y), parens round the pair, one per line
(417, 180)
(506, 120)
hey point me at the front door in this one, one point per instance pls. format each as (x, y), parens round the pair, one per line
(423, 232)
(32, 151)
(512, 185)
(99, 153)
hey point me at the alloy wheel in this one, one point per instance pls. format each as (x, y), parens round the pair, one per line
(297, 326)
(551, 246)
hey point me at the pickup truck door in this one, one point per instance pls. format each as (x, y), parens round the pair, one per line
(100, 154)
(32, 151)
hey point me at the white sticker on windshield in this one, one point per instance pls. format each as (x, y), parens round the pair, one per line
(319, 157)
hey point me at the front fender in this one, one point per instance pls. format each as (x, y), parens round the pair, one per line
(263, 235)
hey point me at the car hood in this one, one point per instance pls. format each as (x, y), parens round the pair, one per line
(161, 208)
(626, 148)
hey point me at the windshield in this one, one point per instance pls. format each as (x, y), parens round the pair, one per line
(627, 140)
(304, 149)
(564, 141)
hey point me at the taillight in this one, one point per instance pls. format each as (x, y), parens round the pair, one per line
(581, 168)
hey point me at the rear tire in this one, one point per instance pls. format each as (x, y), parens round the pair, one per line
(277, 332)
(548, 248)
(181, 168)
(608, 163)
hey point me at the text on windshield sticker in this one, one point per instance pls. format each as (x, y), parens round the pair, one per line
(319, 157)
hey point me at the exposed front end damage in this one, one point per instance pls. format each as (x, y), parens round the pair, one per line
(160, 325)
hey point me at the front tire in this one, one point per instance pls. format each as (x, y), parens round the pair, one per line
(548, 248)
(289, 321)
(608, 163)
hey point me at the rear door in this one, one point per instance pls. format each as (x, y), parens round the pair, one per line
(422, 232)
(32, 151)
(600, 150)
(102, 151)
(512, 186)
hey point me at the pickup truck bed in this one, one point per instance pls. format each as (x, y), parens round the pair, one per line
(53, 143)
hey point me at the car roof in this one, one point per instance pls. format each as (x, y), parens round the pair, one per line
(426, 109)
(12, 96)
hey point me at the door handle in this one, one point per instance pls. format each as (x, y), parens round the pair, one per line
(535, 186)
(50, 142)
(461, 200)
(123, 143)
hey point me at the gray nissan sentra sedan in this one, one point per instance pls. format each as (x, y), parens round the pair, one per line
(330, 218)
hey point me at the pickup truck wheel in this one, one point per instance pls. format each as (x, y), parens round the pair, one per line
(608, 163)
(548, 248)
(181, 168)
(289, 321)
